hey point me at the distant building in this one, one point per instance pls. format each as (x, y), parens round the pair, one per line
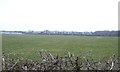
(9, 32)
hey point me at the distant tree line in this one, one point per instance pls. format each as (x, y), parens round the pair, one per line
(47, 32)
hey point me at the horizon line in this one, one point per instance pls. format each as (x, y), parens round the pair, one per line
(59, 30)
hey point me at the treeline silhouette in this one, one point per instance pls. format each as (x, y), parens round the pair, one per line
(47, 32)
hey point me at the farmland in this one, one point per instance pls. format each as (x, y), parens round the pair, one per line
(28, 46)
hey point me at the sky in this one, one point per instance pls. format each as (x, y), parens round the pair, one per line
(60, 15)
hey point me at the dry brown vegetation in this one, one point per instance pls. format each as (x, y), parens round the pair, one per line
(49, 62)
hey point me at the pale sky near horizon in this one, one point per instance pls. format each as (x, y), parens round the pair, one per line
(61, 15)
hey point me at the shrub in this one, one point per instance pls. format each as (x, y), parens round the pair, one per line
(69, 61)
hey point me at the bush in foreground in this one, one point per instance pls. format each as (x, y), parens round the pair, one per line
(49, 62)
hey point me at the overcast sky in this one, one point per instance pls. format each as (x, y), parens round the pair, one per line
(62, 15)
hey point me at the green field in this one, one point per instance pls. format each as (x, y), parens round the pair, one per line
(28, 46)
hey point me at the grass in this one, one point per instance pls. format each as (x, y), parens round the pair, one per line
(27, 46)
